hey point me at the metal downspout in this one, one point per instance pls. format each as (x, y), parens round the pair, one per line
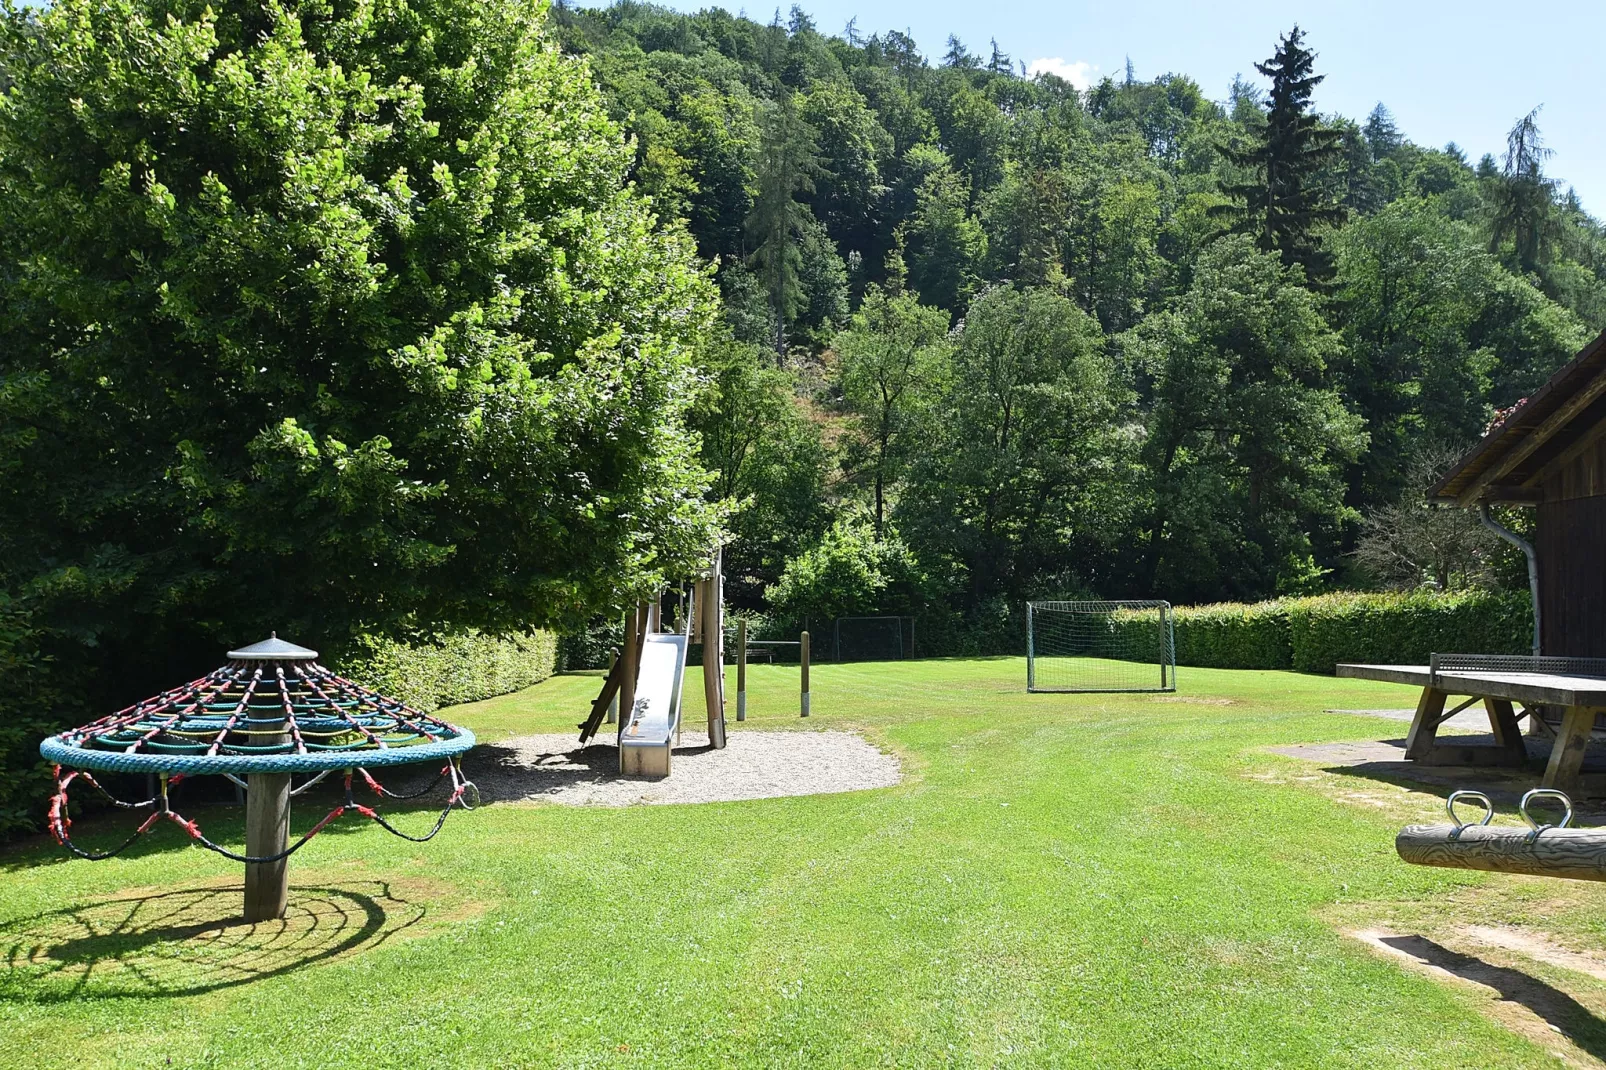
(1527, 551)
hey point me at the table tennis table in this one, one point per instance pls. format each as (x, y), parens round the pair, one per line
(1576, 685)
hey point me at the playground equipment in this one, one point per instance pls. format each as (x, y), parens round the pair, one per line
(271, 713)
(645, 680)
(1539, 850)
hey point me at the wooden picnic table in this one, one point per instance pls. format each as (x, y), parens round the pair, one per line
(1581, 698)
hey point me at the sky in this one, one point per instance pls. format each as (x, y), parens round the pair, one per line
(1462, 72)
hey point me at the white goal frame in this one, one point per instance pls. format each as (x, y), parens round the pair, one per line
(1162, 654)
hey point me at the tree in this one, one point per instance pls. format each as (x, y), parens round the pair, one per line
(1524, 198)
(1411, 542)
(1283, 205)
(1246, 439)
(945, 246)
(891, 361)
(1382, 136)
(1023, 471)
(329, 325)
(852, 145)
(768, 461)
(788, 165)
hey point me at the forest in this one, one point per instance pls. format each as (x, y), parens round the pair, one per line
(985, 337)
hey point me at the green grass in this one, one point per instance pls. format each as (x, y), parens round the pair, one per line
(1072, 880)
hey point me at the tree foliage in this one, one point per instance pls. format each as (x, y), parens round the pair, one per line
(328, 320)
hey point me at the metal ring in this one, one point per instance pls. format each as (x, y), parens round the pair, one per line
(1477, 796)
(1545, 793)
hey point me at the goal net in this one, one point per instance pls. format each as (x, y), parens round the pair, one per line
(1100, 646)
(872, 638)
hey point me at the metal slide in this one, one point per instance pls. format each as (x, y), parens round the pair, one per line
(649, 732)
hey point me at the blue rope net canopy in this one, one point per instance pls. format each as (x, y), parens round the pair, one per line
(271, 709)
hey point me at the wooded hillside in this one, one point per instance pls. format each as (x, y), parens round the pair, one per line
(988, 336)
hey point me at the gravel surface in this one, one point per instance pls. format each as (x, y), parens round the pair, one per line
(754, 765)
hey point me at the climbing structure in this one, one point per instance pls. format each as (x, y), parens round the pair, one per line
(269, 714)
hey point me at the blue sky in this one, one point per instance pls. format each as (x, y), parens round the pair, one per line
(1462, 72)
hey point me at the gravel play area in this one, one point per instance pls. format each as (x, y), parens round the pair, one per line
(754, 765)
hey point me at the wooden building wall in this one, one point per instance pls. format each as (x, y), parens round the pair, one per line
(1571, 545)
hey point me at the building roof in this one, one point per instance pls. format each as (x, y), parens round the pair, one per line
(1506, 464)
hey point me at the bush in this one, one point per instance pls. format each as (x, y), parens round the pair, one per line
(460, 668)
(850, 573)
(1234, 635)
(1406, 628)
(1314, 634)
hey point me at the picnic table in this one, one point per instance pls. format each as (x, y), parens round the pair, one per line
(1576, 685)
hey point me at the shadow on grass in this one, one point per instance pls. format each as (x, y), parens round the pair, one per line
(190, 941)
(504, 772)
(1555, 1007)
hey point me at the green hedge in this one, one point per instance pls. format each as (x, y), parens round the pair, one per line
(1314, 634)
(461, 668)
(1406, 628)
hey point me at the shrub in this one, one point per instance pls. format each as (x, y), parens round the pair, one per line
(1314, 634)
(459, 668)
(1406, 628)
(849, 573)
(1234, 635)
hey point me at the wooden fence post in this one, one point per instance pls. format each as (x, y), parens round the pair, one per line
(803, 648)
(741, 669)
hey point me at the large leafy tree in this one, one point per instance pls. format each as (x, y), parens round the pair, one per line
(1283, 204)
(1247, 440)
(768, 460)
(892, 360)
(326, 319)
(1025, 464)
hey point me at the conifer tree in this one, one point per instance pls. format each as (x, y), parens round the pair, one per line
(1524, 197)
(787, 165)
(1284, 206)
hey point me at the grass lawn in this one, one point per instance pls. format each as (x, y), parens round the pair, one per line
(1060, 880)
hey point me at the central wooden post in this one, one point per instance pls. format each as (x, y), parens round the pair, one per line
(714, 654)
(267, 832)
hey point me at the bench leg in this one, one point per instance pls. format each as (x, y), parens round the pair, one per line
(1507, 732)
(1567, 756)
(1425, 725)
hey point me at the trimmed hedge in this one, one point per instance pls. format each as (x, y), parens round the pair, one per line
(1314, 634)
(460, 668)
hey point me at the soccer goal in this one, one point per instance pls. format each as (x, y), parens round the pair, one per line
(1100, 646)
(872, 638)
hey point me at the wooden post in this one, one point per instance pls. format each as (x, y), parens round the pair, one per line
(741, 669)
(267, 832)
(1507, 732)
(1567, 753)
(613, 703)
(803, 653)
(632, 658)
(1425, 725)
(714, 655)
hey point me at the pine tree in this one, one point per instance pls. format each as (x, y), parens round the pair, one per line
(1284, 205)
(787, 165)
(1524, 197)
(1381, 133)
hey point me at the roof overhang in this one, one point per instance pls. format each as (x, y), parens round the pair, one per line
(1505, 466)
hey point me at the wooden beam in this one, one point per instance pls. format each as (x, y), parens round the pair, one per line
(1535, 438)
(1567, 754)
(1555, 852)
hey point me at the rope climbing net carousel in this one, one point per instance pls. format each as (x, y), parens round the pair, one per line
(270, 714)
